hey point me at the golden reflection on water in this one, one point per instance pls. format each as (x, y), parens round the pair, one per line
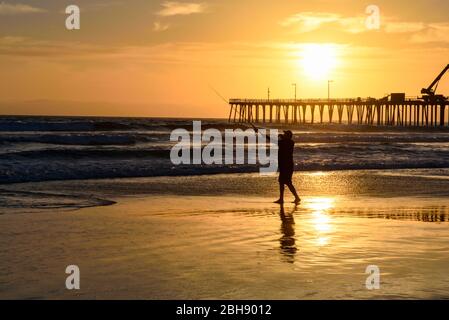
(317, 174)
(318, 204)
(321, 220)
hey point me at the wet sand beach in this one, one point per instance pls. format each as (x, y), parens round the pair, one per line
(165, 240)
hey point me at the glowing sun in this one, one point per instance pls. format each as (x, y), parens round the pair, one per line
(319, 60)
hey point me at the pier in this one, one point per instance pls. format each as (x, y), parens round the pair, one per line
(395, 109)
(369, 111)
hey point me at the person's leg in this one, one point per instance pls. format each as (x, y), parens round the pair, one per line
(293, 190)
(281, 193)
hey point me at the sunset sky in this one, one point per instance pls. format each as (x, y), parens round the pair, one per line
(162, 58)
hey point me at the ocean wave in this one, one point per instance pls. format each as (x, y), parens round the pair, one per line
(25, 126)
(318, 137)
(86, 154)
(19, 199)
(376, 151)
(62, 124)
(78, 139)
(79, 124)
(39, 171)
(159, 137)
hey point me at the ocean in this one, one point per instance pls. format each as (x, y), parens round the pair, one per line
(62, 148)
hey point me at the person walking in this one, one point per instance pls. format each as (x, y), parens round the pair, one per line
(286, 146)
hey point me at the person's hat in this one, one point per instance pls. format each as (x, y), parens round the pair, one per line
(288, 133)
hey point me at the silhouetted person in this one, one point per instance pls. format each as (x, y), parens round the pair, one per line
(286, 166)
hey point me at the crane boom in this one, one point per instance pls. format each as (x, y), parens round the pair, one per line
(430, 89)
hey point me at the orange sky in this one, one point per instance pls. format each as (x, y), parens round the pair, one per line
(161, 58)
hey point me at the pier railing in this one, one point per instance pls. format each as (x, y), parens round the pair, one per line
(291, 101)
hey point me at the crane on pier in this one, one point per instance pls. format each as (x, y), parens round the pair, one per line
(429, 93)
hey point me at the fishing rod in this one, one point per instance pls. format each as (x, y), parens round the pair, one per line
(227, 103)
(218, 94)
(256, 129)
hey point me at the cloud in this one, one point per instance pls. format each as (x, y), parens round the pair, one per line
(17, 47)
(353, 24)
(102, 5)
(10, 40)
(311, 21)
(434, 32)
(14, 9)
(403, 27)
(160, 27)
(418, 32)
(173, 8)
(184, 53)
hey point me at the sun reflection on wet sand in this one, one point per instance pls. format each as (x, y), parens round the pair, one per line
(321, 220)
(316, 174)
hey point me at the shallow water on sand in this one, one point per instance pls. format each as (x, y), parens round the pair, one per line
(384, 184)
(162, 246)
